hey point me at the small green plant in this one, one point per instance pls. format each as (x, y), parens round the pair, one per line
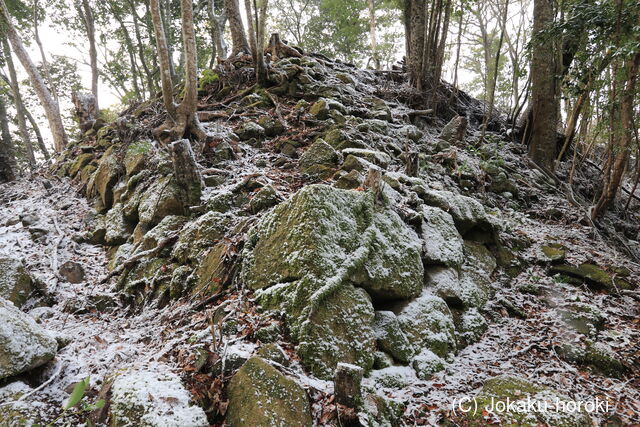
(207, 78)
(74, 399)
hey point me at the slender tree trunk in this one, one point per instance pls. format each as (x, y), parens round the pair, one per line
(8, 167)
(251, 28)
(45, 63)
(89, 24)
(151, 83)
(260, 17)
(17, 100)
(51, 107)
(182, 118)
(36, 130)
(372, 35)
(622, 133)
(542, 149)
(217, 22)
(238, 38)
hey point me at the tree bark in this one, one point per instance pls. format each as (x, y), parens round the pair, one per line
(622, 133)
(186, 172)
(182, 118)
(217, 21)
(17, 100)
(544, 99)
(8, 167)
(372, 35)
(51, 108)
(238, 37)
(86, 14)
(45, 64)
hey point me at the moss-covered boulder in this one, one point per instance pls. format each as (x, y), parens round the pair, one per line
(428, 324)
(377, 158)
(427, 363)
(459, 290)
(169, 225)
(394, 377)
(79, 163)
(319, 160)
(546, 407)
(20, 413)
(583, 317)
(264, 198)
(162, 198)
(594, 276)
(105, 178)
(118, 229)
(467, 213)
(597, 355)
(149, 398)
(136, 156)
(213, 270)
(330, 234)
(199, 235)
(390, 337)
(336, 330)
(260, 396)
(441, 241)
(15, 282)
(24, 344)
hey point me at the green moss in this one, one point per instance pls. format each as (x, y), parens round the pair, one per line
(136, 155)
(79, 163)
(555, 252)
(15, 282)
(207, 78)
(593, 275)
(260, 396)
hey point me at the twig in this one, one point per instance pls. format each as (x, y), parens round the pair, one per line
(35, 390)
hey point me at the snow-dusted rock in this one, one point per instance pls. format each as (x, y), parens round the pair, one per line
(259, 395)
(153, 398)
(24, 344)
(467, 213)
(442, 242)
(15, 282)
(427, 363)
(390, 337)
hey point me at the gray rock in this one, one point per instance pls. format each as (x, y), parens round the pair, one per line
(148, 398)
(72, 272)
(466, 212)
(441, 241)
(24, 345)
(390, 337)
(15, 282)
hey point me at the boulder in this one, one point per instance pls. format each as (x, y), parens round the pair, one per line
(467, 213)
(72, 272)
(15, 282)
(264, 198)
(441, 241)
(199, 235)
(377, 158)
(79, 163)
(337, 330)
(327, 233)
(149, 398)
(105, 177)
(162, 198)
(164, 229)
(594, 276)
(455, 130)
(20, 413)
(260, 396)
(118, 229)
(390, 337)
(250, 130)
(24, 345)
(319, 160)
(426, 364)
(395, 377)
(136, 156)
(428, 324)
(459, 290)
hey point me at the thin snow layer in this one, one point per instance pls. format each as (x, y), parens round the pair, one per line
(153, 397)
(23, 343)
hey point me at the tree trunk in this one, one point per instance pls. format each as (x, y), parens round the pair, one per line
(238, 38)
(89, 25)
(260, 12)
(8, 167)
(217, 22)
(17, 100)
(186, 172)
(372, 35)
(36, 130)
(622, 133)
(151, 82)
(182, 118)
(544, 99)
(51, 107)
(45, 63)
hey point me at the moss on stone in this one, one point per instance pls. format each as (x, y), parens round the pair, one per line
(260, 396)
(79, 163)
(15, 282)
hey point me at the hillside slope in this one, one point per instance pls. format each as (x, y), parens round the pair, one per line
(340, 233)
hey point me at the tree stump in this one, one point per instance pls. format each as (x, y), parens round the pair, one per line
(278, 49)
(373, 182)
(411, 161)
(186, 172)
(85, 109)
